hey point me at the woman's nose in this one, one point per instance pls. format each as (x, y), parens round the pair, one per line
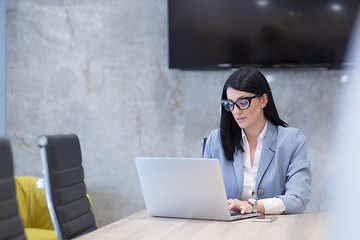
(236, 109)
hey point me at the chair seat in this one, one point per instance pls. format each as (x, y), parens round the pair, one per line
(40, 234)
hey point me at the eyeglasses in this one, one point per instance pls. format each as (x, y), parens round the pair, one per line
(241, 103)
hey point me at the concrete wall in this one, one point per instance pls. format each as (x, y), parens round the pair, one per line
(100, 69)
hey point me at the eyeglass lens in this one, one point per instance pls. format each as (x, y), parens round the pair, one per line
(243, 104)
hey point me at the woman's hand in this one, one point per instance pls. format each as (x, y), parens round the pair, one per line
(237, 205)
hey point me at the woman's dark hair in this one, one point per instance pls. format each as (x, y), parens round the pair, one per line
(250, 80)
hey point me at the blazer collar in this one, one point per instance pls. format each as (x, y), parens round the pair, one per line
(268, 152)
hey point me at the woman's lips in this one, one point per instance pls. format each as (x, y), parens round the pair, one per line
(240, 119)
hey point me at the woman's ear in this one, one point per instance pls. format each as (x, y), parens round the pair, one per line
(264, 100)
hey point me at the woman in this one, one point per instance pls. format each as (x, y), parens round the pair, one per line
(263, 161)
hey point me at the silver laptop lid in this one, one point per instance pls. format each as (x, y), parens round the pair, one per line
(183, 188)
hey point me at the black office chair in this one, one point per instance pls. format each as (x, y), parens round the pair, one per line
(65, 189)
(11, 226)
(203, 146)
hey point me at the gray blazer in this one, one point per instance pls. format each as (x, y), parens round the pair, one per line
(284, 170)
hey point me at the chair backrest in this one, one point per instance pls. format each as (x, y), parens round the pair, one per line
(203, 146)
(11, 226)
(65, 189)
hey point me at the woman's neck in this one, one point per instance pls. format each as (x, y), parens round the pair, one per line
(253, 132)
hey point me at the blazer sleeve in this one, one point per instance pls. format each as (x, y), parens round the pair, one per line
(298, 175)
(213, 147)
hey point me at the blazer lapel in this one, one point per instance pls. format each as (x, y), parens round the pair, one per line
(268, 152)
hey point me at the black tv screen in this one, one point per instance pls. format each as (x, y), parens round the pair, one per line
(213, 34)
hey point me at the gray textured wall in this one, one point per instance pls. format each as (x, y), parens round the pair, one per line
(99, 69)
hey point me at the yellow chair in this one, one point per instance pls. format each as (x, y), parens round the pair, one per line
(33, 209)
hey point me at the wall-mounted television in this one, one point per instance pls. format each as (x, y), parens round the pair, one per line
(215, 34)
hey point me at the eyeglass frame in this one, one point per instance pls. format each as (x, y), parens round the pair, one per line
(235, 103)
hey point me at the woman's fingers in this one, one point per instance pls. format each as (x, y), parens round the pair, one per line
(239, 206)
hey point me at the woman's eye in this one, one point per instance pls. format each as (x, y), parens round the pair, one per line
(243, 102)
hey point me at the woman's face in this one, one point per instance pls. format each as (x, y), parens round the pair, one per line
(254, 115)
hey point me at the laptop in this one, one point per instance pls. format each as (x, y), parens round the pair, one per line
(185, 188)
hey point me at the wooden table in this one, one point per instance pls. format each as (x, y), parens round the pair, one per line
(141, 226)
